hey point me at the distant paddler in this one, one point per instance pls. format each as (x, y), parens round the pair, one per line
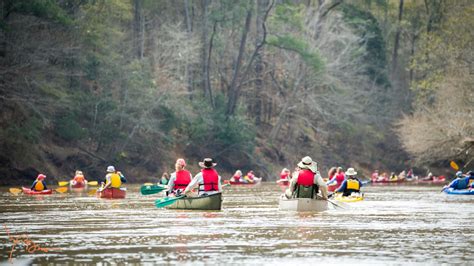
(462, 182)
(113, 179)
(351, 185)
(285, 174)
(307, 182)
(337, 178)
(208, 180)
(237, 177)
(39, 184)
(180, 179)
(79, 180)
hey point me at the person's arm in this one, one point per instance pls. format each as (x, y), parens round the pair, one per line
(34, 184)
(171, 181)
(44, 185)
(220, 183)
(342, 187)
(108, 182)
(318, 180)
(193, 183)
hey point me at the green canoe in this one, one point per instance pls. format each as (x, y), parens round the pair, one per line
(208, 202)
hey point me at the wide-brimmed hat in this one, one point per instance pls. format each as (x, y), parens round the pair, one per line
(351, 171)
(110, 169)
(41, 177)
(307, 163)
(207, 163)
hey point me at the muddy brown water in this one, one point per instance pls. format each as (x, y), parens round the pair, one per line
(393, 225)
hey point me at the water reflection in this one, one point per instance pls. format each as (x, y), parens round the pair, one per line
(403, 224)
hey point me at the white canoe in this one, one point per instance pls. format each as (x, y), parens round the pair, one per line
(303, 205)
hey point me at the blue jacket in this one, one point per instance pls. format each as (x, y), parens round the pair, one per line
(461, 182)
(343, 186)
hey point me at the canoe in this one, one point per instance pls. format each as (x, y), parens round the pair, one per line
(439, 180)
(352, 198)
(33, 192)
(459, 191)
(396, 181)
(257, 181)
(112, 193)
(75, 184)
(283, 182)
(208, 202)
(302, 205)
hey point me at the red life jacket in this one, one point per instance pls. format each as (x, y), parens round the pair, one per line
(211, 179)
(340, 178)
(236, 178)
(183, 178)
(284, 176)
(305, 178)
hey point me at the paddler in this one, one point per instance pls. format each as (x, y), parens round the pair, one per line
(180, 179)
(306, 182)
(338, 178)
(113, 179)
(208, 180)
(461, 182)
(249, 177)
(79, 177)
(285, 174)
(351, 185)
(237, 176)
(39, 184)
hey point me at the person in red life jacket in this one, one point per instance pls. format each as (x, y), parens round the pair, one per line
(338, 178)
(79, 177)
(306, 182)
(180, 179)
(383, 177)
(39, 184)
(331, 173)
(351, 185)
(285, 174)
(237, 176)
(375, 175)
(208, 180)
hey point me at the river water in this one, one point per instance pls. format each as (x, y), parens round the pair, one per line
(393, 225)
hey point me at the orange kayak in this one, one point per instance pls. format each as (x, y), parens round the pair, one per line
(112, 193)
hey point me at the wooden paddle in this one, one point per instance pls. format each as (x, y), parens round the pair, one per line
(163, 202)
(15, 191)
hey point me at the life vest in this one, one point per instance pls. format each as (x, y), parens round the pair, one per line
(463, 183)
(39, 186)
(210, 180)
(183, 178)
(353, 184)
(305, 178)
(284, 176)
(115, 180)
(340, 178)
(79, 179)
(236, 178)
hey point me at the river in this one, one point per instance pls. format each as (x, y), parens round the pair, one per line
(393, 225)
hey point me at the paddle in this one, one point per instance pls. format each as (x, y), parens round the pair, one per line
(92, 183)
(454, 165)
(63, 183)
(61, 189)
(92, 192)
(152, 189)
(15, 191)
(335, 204)
(163, 202)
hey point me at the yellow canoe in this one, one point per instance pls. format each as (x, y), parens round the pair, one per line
(352, 198)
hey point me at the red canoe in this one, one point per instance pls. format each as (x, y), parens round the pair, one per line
(112, 193)
(33, 192)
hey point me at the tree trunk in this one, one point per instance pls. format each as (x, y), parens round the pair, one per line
(257, 108)
(397, 38)
(187, 67)
(205, 47)
(138, 29)
(233, 90)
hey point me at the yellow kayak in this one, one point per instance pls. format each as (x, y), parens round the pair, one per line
(352, 198)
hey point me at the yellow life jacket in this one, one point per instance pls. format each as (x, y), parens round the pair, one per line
(39, 186)
(115, 181)
(353, 184)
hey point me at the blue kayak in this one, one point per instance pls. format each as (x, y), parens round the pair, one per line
(459, 191)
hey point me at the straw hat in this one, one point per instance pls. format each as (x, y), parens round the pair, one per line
(207, 163)
(307, 163)
(110, 169)
(351, 171)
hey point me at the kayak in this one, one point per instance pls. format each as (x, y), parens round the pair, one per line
(208, 202)
(33, 192)
(75, 184)
(257, 181)
(439, 180)
(283, 182)
(395, 181)
(352, 198)
(112, 193)
(459, 191)
(302, 205)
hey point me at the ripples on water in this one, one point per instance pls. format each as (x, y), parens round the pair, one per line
(394, 225)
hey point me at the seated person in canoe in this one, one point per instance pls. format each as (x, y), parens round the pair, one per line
(393, 177)
(79, 177)
(375, 176)
(113, 179)
(165, 178)
(461, 182)
(306, 182)
(338, 178)
(351, 185)
(208, 180)
(251, 178)
(285, 174)
(180, 179)
(402, 175)
(237, 177)
(39, 184)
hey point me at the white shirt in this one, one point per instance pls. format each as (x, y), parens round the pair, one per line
(199, 180)
(173, 178)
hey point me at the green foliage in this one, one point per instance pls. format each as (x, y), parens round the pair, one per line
(69, 129)
(49, 9)
(288, 15)
(310, 57)
(368, 28)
